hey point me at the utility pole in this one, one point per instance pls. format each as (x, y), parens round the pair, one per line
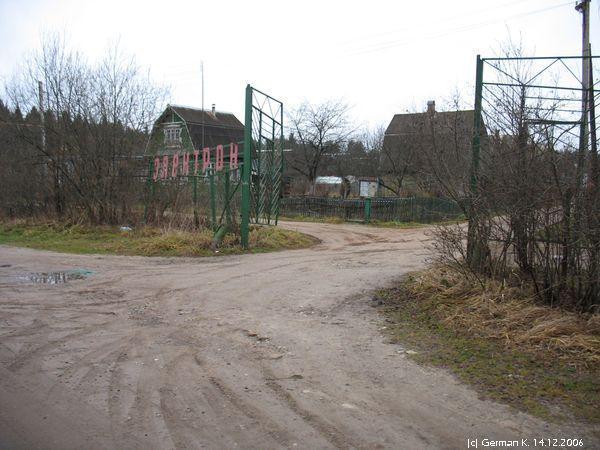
(584, 8)
(42, 124)
(576, 234)
(202, 69)
(42, 118)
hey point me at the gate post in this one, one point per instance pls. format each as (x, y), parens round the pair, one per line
(149, 190)
(246, 169)
(213, 198)
(227, 174)
(473, 243)
(367, 209)
(195, 201)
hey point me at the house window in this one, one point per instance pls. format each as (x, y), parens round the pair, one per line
(172, 135)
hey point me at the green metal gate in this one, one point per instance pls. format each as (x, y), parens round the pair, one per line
(215, 187)
(263, 146)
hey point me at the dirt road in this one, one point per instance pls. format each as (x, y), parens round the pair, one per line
(279, 350)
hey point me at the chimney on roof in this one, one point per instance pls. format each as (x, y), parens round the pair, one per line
(431, 106)
(213, 109)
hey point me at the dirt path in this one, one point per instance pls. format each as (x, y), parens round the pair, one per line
(278, 350)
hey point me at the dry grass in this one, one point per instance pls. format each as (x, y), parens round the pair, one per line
(143, 241)
(510, 315)
(496, 338)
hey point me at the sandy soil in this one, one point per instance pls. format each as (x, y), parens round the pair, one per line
(278, 350)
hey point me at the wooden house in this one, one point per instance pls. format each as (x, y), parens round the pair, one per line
(181, 129)
(414, 141)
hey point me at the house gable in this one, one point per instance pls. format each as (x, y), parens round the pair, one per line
(183, 129)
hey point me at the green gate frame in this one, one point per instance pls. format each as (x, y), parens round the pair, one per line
(263, 148)
(487, 85)
(261, 169)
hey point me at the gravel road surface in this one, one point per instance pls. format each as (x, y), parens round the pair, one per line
(262, 351)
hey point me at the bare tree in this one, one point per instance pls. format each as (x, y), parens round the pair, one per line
(395, 164)
(533, 212)
(431, 147)
(96, 117)
(372, 142)
(360, 155)
(319, 131)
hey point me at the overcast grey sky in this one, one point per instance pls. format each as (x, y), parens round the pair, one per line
(382, 57)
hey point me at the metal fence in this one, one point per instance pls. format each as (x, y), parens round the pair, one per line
(387, 209)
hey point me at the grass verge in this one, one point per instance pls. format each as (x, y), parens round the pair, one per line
(542, 360)
(144, 241)
(374, 223)
(395, 224)
(312, 219)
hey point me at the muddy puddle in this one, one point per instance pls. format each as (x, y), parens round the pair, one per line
(58, 277)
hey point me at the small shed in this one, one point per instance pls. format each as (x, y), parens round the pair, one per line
(328, 185)
(348, 186)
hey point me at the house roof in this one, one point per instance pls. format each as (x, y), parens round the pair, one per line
(207, 117)
(214, 135)
(328, 180)
(409, 124)
(208, 129)
(450, 131)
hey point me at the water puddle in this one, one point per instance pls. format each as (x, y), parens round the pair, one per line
(55, 277)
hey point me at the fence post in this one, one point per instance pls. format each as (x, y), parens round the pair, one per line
(246, 170)
(474, 244)
(227, 175)
(195, 200)
(213, 198)
(149, 190)
(367, 209)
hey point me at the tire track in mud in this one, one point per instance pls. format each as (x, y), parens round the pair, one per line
(278, 433)
(116, 391)
(196, 413)
(321, 426)
(102, 360)
(183, 407)
(95, 362)
(171, 416)
(22, 358)
(30, 330)
(334, 436)
(207, 410)
(128, 390)
(146, 420)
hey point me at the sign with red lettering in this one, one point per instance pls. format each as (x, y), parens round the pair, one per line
(196, 153)
(185, 167)
(219, 158)
(156, 168)
(205, 159)
(165, 167)
(233, 156)
(176, 165)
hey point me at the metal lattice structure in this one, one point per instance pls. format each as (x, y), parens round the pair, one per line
(223, 186)
(208, 196)
(263, 145)
(535, 173)
(546, 90)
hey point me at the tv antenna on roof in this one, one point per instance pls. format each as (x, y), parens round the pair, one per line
(202, 71)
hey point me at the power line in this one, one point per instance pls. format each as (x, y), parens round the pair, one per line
(397, 43)
(445, 21)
